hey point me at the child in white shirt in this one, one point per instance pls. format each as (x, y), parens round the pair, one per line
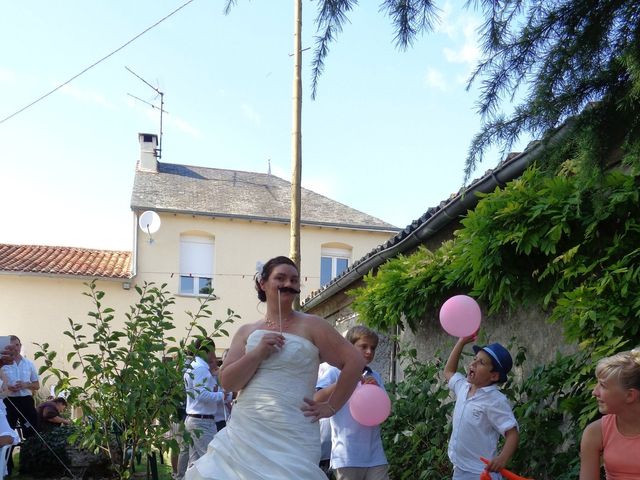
(356, 450)
(482, 412)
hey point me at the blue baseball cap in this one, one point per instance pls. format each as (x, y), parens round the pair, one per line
(500, 356)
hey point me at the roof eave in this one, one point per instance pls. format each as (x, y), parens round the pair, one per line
(257, 218)
(451, 210)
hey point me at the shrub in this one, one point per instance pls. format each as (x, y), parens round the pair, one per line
(131, 384)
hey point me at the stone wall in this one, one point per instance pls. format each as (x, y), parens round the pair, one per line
(525, 328)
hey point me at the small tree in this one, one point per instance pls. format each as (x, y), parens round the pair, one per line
(131, 384)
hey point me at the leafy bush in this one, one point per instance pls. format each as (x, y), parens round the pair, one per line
(131, 381)
(564, 240)
(416, 434)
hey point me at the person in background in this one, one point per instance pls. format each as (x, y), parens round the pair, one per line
(482, 413)
(224, 404)
(273, 365)
(50, 414)
(6, 351)
(22, 379)
(203, 395)
(614, 438)
(179, 454)
(356, 450)
(8, 436)
(325, 431)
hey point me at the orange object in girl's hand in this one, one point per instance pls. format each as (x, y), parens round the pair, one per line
(503, 471)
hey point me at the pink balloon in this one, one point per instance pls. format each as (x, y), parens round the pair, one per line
(460, 316)
(369, 405)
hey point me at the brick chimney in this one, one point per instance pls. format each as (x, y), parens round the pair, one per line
(148, 152)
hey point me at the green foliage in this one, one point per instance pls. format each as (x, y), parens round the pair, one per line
(403, 286)
(416, 433)
(547, 406)
(130, 384)
(557, 57)
(565, 239)
(552, 406)
(566, 54)
(549, 240)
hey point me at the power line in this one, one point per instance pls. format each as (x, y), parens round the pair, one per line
(96, 63)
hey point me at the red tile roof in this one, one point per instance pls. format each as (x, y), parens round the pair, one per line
(65, 261)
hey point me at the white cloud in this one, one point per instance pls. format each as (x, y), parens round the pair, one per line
(445, 25)
(250, 113)
(87, 96)
(435, 79)
(469, 53)
(462, 29)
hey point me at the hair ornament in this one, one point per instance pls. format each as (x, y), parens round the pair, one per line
(259, 269)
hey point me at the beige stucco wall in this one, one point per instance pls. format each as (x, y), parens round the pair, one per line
(36, 307)
(239, 244)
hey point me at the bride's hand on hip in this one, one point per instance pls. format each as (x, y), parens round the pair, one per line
(317, 410)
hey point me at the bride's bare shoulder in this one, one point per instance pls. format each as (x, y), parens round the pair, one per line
(245, 330)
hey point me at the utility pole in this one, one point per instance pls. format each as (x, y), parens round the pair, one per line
(296, 139)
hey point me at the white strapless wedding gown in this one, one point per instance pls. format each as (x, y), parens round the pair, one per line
(268, 437)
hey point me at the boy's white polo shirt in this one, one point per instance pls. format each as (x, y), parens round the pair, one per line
(352, 444)
(478, 422)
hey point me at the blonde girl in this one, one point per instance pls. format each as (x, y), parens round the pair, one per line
(614, 439)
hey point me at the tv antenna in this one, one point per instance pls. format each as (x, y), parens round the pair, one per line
(161, 108)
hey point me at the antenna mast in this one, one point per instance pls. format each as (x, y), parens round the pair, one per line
(162, 110)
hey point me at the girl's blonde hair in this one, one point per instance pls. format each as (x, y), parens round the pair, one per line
(625, 366)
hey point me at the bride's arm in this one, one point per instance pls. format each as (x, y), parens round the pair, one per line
(337, 351)
(239, 366)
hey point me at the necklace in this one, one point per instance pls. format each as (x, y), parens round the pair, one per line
(275, 323)
(271, 323)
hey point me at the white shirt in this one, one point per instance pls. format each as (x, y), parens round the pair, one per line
(477, 422)
(325, 423)
(352, 444)
(221, 413)
(5, 429)
(25, 371)
(202, 397)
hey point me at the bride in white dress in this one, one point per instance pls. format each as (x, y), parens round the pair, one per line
(273, 364)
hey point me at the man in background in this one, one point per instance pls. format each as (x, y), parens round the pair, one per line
(22, 378)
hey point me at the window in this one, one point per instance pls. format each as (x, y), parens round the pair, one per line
(333, 262)
(196, 265)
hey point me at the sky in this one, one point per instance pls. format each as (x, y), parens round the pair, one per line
(387, 134)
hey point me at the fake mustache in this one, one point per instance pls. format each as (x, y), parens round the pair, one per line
(289, 290)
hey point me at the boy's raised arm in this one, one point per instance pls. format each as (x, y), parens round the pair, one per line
(451, 367)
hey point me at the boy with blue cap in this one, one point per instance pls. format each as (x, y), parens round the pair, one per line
(482, 412)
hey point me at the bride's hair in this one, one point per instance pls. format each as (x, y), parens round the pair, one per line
(267, 268)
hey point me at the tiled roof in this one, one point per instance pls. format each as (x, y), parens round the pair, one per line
(65, 261)
(234, 193)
